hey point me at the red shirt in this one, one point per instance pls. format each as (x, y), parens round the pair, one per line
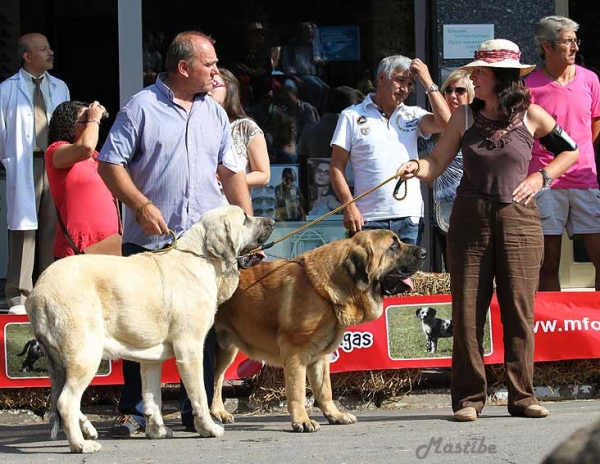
(85, 204)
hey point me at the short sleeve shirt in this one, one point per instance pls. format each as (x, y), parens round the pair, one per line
(172, 157)
(377, 148)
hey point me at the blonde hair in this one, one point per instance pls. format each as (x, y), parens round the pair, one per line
(457, 75)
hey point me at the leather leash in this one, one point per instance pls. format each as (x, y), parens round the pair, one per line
(334, 211)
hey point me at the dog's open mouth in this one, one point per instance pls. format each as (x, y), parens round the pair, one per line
(245, 261)
(393, 284)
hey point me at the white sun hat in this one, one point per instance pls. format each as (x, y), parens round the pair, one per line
(499, 53)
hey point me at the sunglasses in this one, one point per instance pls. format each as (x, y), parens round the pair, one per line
(217, 85)
(458, 90)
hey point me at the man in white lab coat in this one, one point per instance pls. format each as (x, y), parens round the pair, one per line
(23, 140)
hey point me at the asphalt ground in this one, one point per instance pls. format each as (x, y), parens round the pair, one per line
(418, 430)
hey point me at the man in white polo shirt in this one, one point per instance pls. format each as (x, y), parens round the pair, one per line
(377, 136)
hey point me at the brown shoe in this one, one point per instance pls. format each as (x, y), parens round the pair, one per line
(466, 414)
(536, 411)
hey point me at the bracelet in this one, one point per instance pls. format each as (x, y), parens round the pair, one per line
(141, 209)
(418, 167)
(93, 120)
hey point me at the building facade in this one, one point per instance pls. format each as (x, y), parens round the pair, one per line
(109, 49)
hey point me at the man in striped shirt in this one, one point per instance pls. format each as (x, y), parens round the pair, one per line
(161, 159)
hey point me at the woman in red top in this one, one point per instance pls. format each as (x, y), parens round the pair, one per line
(85, 205)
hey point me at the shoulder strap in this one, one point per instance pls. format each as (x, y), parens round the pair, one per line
(468, 121)
(118, 216)
(70, 241)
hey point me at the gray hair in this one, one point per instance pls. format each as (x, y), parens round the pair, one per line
(391, 64)
(548, 29)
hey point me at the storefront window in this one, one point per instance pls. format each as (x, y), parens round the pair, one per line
(291, 63)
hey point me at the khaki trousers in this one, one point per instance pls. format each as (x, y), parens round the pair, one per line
(487, 241)
(30, 251)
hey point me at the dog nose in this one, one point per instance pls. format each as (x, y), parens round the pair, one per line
(421, 253)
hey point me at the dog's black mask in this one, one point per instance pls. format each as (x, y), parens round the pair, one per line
(392, 285)
(246, 261)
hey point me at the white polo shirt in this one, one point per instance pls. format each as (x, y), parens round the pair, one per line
(377, 148)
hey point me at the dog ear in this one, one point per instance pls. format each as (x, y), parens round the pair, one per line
(357, 265)
(220, 243)
(417, 312)
(433, 312)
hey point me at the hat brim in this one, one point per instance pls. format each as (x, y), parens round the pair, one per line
(510, 64)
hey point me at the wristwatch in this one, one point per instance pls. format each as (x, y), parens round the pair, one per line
(431, 88)
(547, 178)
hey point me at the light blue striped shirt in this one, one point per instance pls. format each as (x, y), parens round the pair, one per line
(171, 156)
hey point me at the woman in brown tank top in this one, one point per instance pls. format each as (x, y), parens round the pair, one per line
(495, 231)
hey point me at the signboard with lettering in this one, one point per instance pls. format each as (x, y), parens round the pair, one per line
(461, 40)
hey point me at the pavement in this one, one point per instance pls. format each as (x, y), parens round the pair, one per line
(417, 429)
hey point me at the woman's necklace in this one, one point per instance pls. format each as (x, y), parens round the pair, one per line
(556, 79)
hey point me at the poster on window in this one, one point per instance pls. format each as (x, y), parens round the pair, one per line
(321, 196)
(282, 199)
(339, 43)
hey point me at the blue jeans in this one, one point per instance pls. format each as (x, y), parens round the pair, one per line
(409, 232)
(131, 401)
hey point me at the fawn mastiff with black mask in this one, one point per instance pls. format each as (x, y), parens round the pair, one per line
(293, 313)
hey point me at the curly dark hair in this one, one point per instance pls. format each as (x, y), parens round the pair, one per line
(513, 95)
(62, 124)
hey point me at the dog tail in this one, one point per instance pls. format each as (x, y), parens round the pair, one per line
(26, 347)
(58, 378)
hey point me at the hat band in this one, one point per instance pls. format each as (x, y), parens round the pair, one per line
(493, 56)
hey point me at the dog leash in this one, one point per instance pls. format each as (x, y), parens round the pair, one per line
(314, 221)
(170, 247)
(334, 211)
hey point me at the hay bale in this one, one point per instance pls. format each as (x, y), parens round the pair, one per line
(430, 283)
(268, 388)
(38, 399)
(552, 373)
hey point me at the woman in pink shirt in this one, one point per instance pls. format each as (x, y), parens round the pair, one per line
(86, 206)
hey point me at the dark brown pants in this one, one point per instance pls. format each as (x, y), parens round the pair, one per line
(488, 240)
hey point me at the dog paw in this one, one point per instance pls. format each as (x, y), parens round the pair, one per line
(308, 426)
(209, 429)
(223, 416)
(343, 418)
(86, 447)
(88, 431)
(158, 433)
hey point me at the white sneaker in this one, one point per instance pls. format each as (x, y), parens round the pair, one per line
(17, 309)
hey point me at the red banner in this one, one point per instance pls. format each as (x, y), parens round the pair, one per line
(567, 326)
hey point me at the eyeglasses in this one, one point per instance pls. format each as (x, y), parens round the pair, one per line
(569, 42)
(322, 172)
(458, 90)
(217, 84)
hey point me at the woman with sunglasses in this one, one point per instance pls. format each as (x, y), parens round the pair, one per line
(248, 139)
(457, 90)
(321, 194)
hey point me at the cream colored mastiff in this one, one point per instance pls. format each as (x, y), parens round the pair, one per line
(146, 308)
